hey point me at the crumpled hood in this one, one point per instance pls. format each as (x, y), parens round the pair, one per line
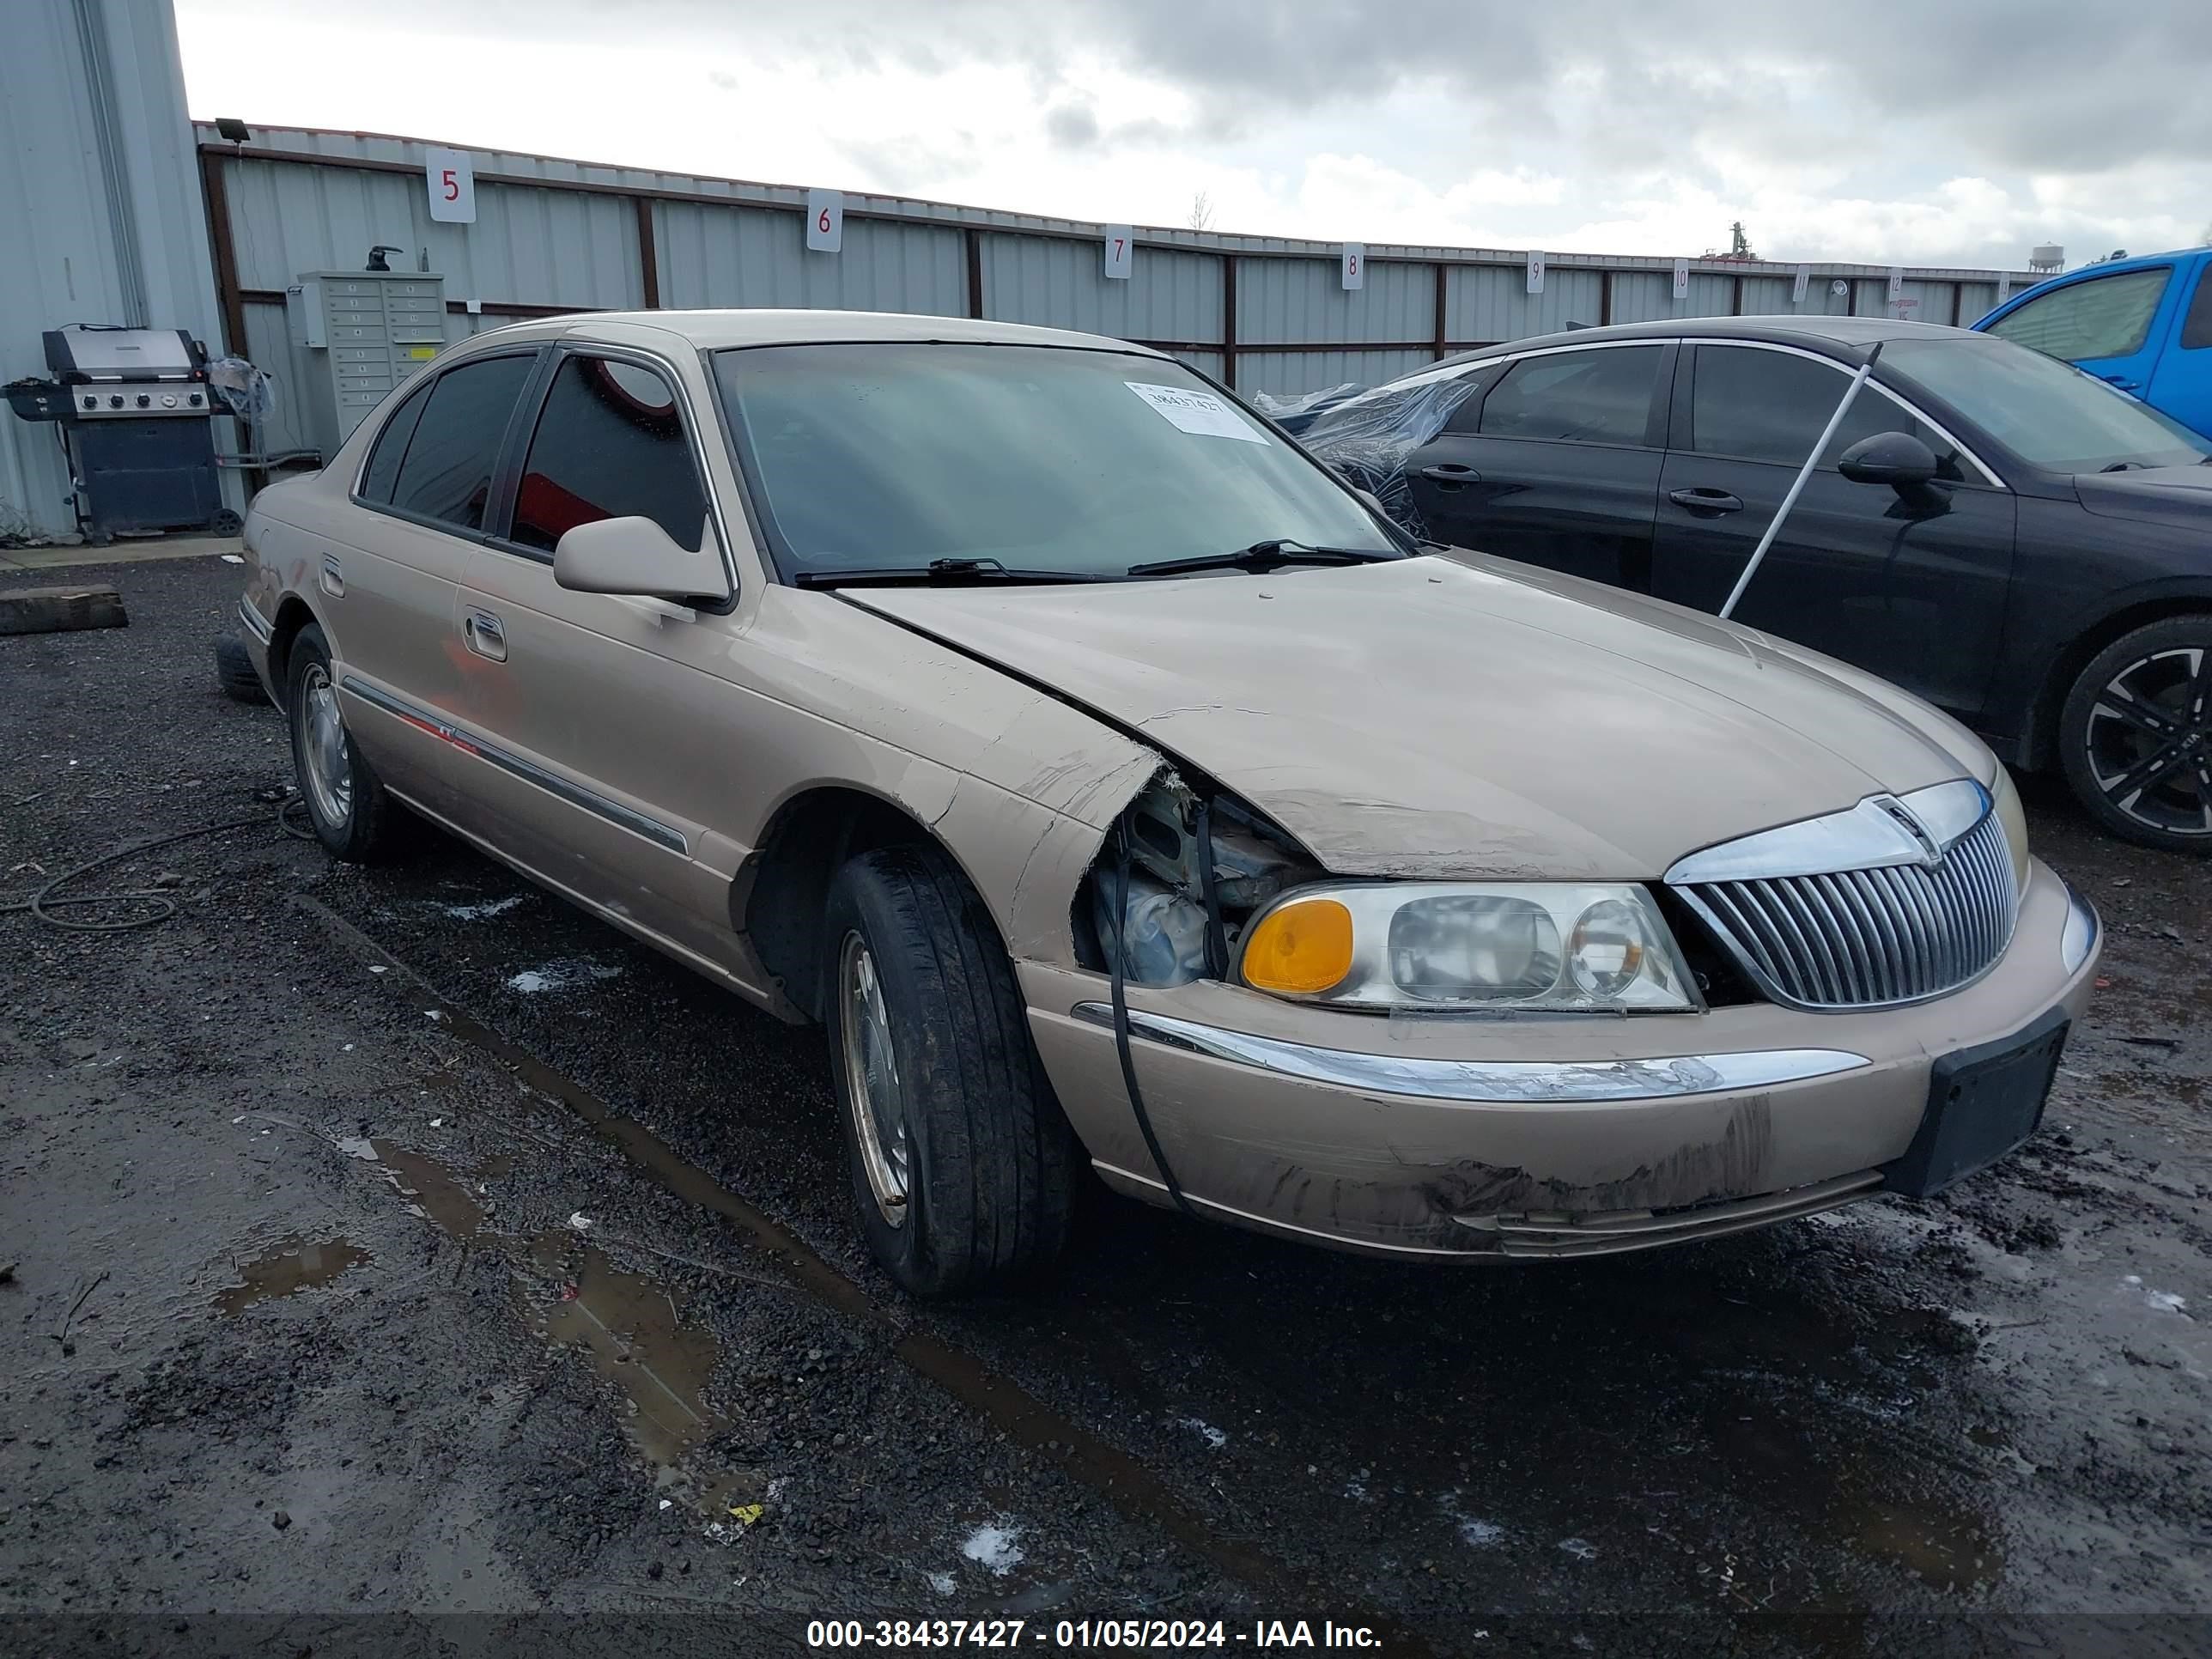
(2158, 494)
(1436, 718)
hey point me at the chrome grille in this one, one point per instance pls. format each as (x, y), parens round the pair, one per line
(1859, 938)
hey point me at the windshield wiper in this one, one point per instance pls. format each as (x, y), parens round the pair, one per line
(1263, 556)
(938, 573)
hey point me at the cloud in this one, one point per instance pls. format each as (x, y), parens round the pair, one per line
(1961, 132)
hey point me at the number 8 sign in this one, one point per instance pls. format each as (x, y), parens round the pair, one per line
(453, 181)
(825, 220)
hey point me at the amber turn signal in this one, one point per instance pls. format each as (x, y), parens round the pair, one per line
(1302, 948)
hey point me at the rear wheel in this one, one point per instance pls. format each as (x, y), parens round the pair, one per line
(2136, 735)
(234, 671)
(963, 1167)
(353, 816)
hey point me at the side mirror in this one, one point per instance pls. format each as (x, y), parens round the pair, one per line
(1896, 458)
(636, 557)
(1373, 501)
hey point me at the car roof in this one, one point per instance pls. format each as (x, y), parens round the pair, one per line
(2107, 268)
(711, 330)
(1844, 337)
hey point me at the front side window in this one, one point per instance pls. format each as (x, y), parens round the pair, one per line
(382, 469)
(2049, 413)
(2196, 327)
(872, 457)
(1602, 397)
(610, 444)
(2101, 317)
(446, 475)
(1758, 405)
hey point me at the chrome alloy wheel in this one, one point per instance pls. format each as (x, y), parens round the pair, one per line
(872, 1080)
(2150, 741)
(323, 747)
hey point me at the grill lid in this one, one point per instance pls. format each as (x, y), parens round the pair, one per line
(1895, 900)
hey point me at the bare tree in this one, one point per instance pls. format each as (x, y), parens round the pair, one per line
(1202, 211)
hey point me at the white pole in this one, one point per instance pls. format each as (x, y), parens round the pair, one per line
(1820, 448)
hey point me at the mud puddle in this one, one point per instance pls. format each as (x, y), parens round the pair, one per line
(291, 1267)
(1128, 1484)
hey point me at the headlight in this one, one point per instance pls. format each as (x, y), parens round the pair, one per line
(2014, 823)
(1563, 945)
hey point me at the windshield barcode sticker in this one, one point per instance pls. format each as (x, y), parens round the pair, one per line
(1199, 412)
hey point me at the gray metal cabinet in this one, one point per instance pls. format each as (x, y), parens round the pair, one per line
(361, 333)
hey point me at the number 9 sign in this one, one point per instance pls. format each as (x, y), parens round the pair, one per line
(825, 220)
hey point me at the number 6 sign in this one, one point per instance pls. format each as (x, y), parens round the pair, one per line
(825, 220)
(453, 181)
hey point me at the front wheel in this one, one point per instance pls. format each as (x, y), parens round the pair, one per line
(963, 1167)
(2136, 735)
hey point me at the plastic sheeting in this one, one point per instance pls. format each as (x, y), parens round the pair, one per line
(248, 391)
(1368, 438)
(1296, 413)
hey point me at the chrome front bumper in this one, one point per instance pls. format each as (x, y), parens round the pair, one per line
(1451, 1140)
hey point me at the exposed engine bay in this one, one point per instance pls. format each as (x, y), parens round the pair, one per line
(1178, 882)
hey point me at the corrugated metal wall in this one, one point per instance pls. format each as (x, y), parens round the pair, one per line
(78, 77)
(1265, 313)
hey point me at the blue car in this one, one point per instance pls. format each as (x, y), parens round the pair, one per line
(2143, 325)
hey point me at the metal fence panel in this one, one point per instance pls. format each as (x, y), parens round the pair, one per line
(1976, 301)
(1294, 301)
(528, 246)
(1287, 373)
(1169, 294)
(753, 256)
(1490, 303)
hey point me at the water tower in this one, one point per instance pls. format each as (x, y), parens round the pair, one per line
(2048, 258)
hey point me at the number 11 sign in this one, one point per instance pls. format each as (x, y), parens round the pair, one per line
(453, 181)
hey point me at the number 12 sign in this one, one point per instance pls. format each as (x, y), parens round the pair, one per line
(1121, 252)
(825, 220)
(453, 182)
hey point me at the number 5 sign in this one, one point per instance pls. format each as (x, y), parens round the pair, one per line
(453, 182)
(825, 220)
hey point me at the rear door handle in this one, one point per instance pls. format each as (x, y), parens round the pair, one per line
(1451, 472)
(485, 635)
(332, 580)
(1706, 501)
(2121, 381)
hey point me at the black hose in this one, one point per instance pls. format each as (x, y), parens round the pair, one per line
(161, 906)
(1120, 975)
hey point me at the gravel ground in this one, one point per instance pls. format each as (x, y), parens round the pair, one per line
(405, 1261)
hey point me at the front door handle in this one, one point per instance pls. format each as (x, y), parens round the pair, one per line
(1451, 472)
(1706, 501)
(2121, 381)
(485, 635)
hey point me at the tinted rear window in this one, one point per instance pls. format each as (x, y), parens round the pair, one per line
(448, 472)
(392, 446)
(1598, 396)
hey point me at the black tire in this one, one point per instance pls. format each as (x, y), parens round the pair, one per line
(368, 830)
(2146, 776)
(234, 671)
(990, 1176)
(226, 523)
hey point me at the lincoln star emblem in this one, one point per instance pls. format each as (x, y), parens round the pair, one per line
(1930, 854)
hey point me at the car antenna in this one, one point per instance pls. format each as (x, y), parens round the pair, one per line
(1820, 448)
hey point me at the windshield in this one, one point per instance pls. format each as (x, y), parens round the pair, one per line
(2048, 413)
(1043, 459)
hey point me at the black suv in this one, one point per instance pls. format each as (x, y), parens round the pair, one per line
(2025, 547)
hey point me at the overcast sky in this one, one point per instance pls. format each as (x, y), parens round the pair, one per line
(1939, 132)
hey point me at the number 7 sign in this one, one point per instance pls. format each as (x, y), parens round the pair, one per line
(1121, 252)
(453, 182)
